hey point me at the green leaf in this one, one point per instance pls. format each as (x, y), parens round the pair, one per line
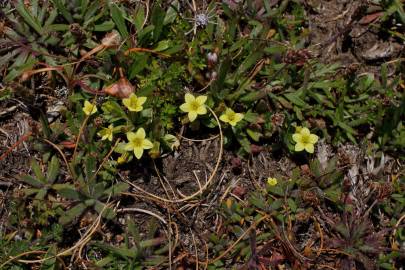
(30, 191)
(224, 69)
(113, 111)
(68, 191)
(51, 18)
(37, 171)
(333, 193)
(134, 231)
(53, 169)
(139, 18)
(157, 18)
(294, 97)
(258, 201)
(163, 45)
(41, 194)
(20, 65)
(106, 212)
(253, 96)
(58, 27)
(251, 117)
(116, 189)
(31, 181)
(118, 16)
(139, 64)
(51, 263)
(90, 167)
(171, 13)
(72, 213)
(248, 62)
(104, 27)
(254, 134)
(292, 205)
(28, 18)
(98, 189)
(65, 13)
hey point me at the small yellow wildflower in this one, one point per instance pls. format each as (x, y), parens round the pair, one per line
(194, 106)
(134, 103)
(137, 142)
(304, 140)
(122, 159)
(272, 181)
(106, 133)
(89, 108)
(231, 117)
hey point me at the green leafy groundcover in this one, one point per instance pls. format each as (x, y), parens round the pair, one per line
(133, 74)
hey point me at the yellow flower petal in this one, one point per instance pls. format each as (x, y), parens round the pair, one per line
(140, 133)
(141, 100)
(313, 138)
(299, 146)
(146, 144)
(121, 159)
(224, 118)
(134, 103)
(201, 99)
(131, 136)
(238, 117)
(201, 110)
(188, 98)
(126, 102)
(138, 151)
(297, 137)
(128, 147)
(309, 147)
(272, 181)
(185, 107)
(192, 115)
(305, 131)
(89, 108)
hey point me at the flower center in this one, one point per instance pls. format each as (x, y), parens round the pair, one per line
(305, 138)
(137, 142)
(231, 117)
(134, 102)
(194, 105)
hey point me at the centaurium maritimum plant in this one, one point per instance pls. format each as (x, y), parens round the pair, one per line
(304, 140)
(134, 103)
(106, 133)
(137, 142)
(89, 108)
(194, 106)
(231, 117)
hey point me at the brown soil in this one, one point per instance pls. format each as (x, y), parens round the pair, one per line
(349, 32)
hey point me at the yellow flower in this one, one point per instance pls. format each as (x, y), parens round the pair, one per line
(106, 133)
(272, 181)
(231, 117)
(89, 108)
(194, 106)
(134, 103)
(122, 159)
(137, 142)
(304, 140)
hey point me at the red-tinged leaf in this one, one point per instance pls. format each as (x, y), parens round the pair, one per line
(67, 144)
(370, 18)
